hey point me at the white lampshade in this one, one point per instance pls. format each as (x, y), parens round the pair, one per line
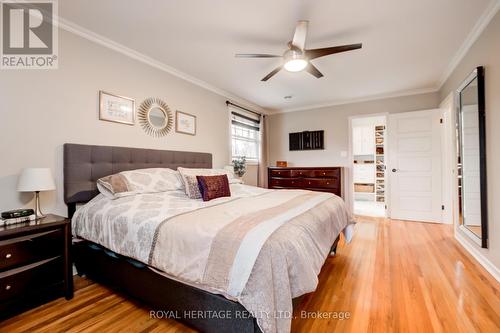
(35, 179)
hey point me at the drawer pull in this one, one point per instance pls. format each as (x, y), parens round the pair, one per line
(324, 173)
(309, 183)
(327, 183)
(8, 255)
(7, 287)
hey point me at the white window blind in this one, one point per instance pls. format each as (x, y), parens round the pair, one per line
(245, 134)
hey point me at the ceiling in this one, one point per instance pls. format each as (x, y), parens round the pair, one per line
(407, 45)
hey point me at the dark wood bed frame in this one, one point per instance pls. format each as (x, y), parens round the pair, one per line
(83, 165)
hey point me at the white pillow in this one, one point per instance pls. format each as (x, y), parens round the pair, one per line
(138, 181)
(191, 183)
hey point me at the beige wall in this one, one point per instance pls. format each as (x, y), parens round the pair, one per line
(334, 120)
(43, 109)
(250, 177)
(486, 52)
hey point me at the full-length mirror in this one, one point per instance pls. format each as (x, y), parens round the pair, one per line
(472, 158)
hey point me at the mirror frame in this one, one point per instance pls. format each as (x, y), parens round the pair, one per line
(478, 74)
(143, 116)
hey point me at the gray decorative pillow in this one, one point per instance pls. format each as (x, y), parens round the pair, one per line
(192, 188)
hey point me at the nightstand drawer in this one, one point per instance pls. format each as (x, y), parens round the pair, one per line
(32, 277)
(23, 250)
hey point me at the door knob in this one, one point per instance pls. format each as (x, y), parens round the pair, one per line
(394, 170)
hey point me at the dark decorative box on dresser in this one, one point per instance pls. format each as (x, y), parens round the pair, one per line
(324, 179)
(35, 263)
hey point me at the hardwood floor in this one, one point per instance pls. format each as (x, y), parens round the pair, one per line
(394, 277)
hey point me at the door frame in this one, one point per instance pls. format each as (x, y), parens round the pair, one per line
(449, 166)
(349, 182)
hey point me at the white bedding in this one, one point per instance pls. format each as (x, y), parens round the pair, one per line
(237, 246)
(126, 225)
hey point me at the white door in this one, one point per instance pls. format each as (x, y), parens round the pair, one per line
(414, 166)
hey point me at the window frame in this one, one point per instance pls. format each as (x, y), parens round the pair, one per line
(252, 125)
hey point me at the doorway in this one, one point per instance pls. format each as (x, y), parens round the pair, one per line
(368, 151)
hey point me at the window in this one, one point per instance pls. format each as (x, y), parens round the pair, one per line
(245, 136)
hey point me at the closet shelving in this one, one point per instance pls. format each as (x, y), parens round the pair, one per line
(380, 163)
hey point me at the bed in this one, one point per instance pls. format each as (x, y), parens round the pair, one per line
(231, 264)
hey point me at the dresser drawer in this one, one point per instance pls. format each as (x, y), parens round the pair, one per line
(316, 173)
(320, 182)
(23, 250)
(335, 173)
(32, 277)
(281, 173)
(364, 173)
(286, 182)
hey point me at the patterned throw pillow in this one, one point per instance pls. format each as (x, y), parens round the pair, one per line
(191, 184)
(212, 187)
(192, 188)
(132, 182)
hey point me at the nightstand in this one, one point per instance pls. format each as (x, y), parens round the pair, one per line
(35, 263)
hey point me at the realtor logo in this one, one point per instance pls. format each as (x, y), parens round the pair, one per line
(29, 34)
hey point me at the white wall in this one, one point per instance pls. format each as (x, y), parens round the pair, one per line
(43, 109)
(486, 52)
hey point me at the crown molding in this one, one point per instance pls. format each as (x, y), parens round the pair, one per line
(360, 100)
(120, 48)
(471, 38)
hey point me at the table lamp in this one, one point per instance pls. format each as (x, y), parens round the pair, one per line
(36, 180)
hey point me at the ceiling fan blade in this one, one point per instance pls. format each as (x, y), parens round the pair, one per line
(313, 71)
(256, 55)
(299, 38)
(270, 75)
(316, 53)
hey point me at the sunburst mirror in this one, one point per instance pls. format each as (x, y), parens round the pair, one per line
(155, 117)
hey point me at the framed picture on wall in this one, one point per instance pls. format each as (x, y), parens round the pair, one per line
(118, 109)
(185, 123)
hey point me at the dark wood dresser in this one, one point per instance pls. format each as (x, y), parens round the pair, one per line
(324, 179)
(35, 263)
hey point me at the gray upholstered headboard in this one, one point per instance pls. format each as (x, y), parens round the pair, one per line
(85, 164)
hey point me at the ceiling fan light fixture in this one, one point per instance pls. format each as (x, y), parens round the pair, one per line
(297, 58)
(295, 65)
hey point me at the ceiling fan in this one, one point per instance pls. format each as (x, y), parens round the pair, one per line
(297, 57)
